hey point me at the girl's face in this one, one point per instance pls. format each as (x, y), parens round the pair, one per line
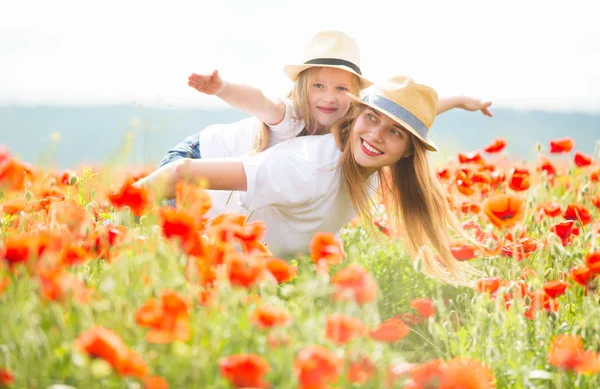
(327, 94)
(378, 141)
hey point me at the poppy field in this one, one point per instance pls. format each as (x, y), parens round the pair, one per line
(102, 286)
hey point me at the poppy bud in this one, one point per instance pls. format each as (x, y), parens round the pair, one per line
(28, 195)
(490, 244)
(73, 179)
(517, 231)
(557, 249)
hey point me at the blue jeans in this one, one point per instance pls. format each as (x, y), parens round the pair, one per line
(187, 148)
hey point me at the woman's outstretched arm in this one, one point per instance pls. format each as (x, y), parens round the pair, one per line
(218, 173)
(464, 102)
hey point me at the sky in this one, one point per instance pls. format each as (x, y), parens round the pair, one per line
(523, 54)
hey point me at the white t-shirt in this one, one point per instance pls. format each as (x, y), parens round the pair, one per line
(296, 189)
(235, 139)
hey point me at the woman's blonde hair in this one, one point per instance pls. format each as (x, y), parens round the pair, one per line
(299, 97)
(414, 200)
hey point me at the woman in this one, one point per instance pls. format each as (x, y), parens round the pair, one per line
(320, 183)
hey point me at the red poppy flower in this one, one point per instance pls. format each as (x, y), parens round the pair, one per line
(551, 208)
(596, 200)
(581, 275)
(325, 249)
(463, 251)
(193, 198)
(266, 316)
(354, 283)
(595, 175)
(176, 222)
(427, 374)
(562, 145)
(57, 285)
(466, 373)
(555, 288)
(482, 177)
(100, 342)
(281, 270)
(244, 270)
(361, 370)
(155, 382)
(316, 367)
(545, 166)
(496, 146)
(518, 179)
(473, 157)
(582, 160)
(168, 319)
(340, 329)
(465, 187)
(6, 378)
(520, 249)
(503, 210)
(137, 199)
(578, 212)
(390, 331)
(444, 173)
(245, 370)
(564, 230)
(488, 285)
(14, 174)
(470, 207)
(592, 260)
(423, 306)
(567, 353)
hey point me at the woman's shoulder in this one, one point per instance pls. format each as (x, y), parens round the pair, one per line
(319, 151)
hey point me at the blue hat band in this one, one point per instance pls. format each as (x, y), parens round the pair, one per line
(398, 111)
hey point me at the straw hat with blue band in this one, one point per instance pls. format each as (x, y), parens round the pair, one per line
(332, 49)
(409, 104)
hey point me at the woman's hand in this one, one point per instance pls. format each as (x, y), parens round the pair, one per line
(471, 104)
(212, 84)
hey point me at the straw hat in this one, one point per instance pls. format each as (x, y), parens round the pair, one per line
(409, 104)
(331, 49)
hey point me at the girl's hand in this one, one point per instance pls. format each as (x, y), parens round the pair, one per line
(210, 85)
(471, 104)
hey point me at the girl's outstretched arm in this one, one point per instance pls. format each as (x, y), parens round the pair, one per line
(464, 102)
(245, 97)
(219, 174)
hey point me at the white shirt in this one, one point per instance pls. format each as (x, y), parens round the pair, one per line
(296, 189)
(236, 139)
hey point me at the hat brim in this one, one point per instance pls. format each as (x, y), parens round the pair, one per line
(292, 71)
(429, 145)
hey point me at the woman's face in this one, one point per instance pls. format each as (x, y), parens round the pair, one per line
(378, 141)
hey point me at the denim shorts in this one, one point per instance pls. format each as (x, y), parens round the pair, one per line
(187, 148)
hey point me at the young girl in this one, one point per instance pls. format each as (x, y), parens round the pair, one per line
(330, 67)
(319, 183)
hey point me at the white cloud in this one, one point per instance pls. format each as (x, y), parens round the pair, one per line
(530, 54)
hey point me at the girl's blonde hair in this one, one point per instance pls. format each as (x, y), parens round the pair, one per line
(414, 200)
(299, 97)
